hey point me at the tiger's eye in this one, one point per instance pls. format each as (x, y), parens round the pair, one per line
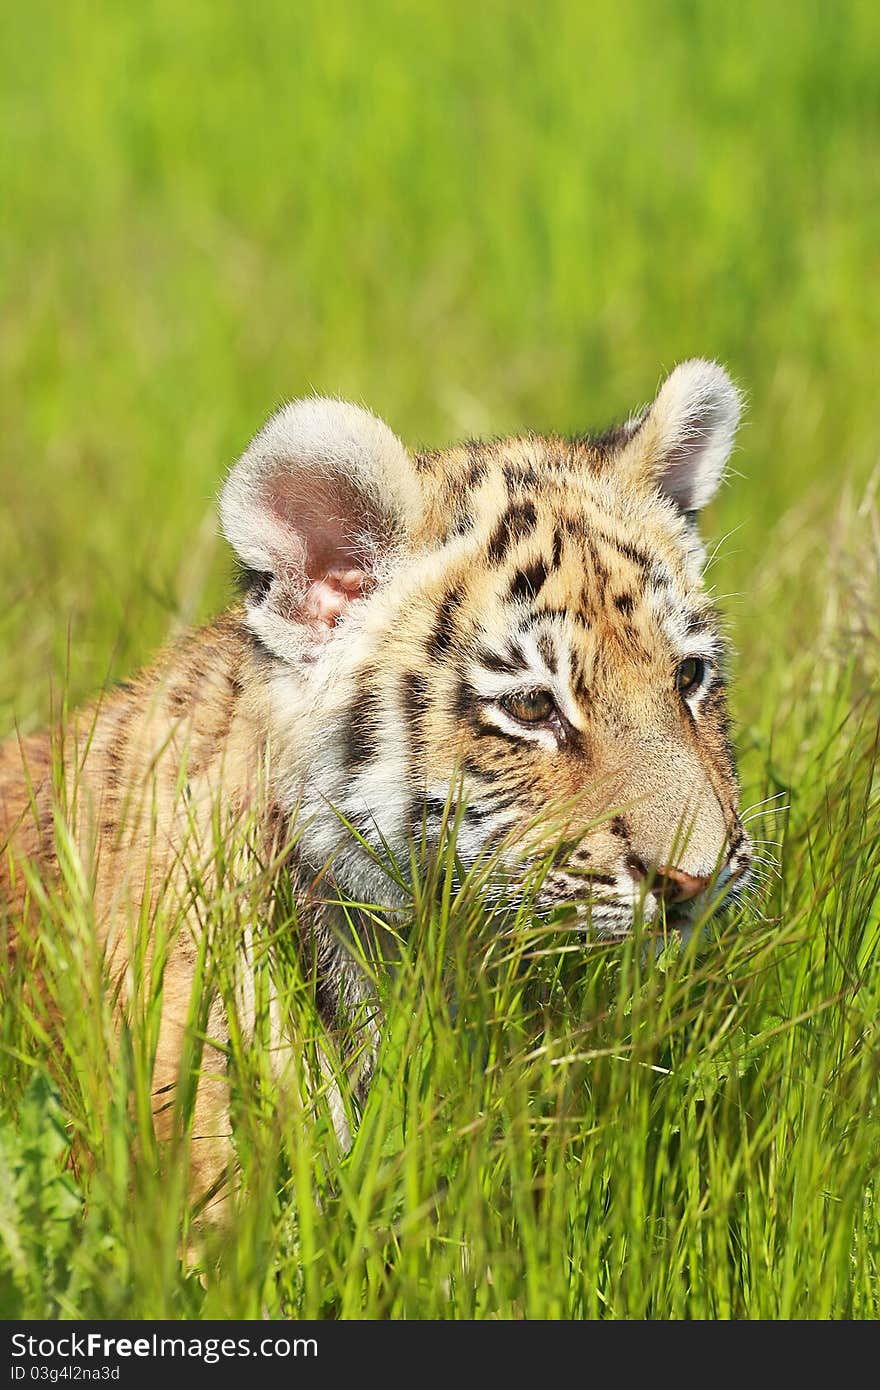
(690, 674)
(529, 706)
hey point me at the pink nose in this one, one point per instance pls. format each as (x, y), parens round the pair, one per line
(670, 885)
(675, 886)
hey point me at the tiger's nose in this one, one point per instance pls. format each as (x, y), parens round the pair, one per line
(670, 885)
(675, 886)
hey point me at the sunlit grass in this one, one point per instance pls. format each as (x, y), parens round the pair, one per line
(558, 1127)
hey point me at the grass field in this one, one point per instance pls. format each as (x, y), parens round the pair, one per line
(476, 219)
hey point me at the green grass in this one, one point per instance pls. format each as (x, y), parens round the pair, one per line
(476, 219)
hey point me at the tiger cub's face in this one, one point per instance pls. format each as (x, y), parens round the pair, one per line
(519, 626)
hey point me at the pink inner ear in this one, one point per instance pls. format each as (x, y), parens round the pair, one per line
(327, 599)
(326, 537)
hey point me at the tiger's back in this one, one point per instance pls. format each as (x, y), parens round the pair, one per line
(139, 770)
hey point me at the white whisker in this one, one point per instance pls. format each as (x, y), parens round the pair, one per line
(748, 812)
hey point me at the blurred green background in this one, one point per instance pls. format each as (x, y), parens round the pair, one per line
(474, 218)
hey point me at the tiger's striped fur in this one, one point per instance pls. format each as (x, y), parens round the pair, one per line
(399, 608)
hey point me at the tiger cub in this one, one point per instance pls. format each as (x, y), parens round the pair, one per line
(501, 628)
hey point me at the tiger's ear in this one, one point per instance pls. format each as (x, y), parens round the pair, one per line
(315, 508)
(680, 445)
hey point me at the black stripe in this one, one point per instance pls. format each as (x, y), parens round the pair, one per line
(612, 440)
(437, 806)
(527, 583)
(502, 665)
(503, 803)
(547, 651)
(659, 576)
(481, 730)
(474, 769)
(517, 522)
(253, 584)
(462, 522)
(518, 654)
(476, 467)
(599, 567)
(519, 475)
(463, 701)
(698, 623)
(362, 733)
(580, 687)
(632, 552)
(532, 618)
(415, 702)
(443, 635)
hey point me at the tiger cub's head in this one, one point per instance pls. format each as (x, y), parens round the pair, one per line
(519, 625)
